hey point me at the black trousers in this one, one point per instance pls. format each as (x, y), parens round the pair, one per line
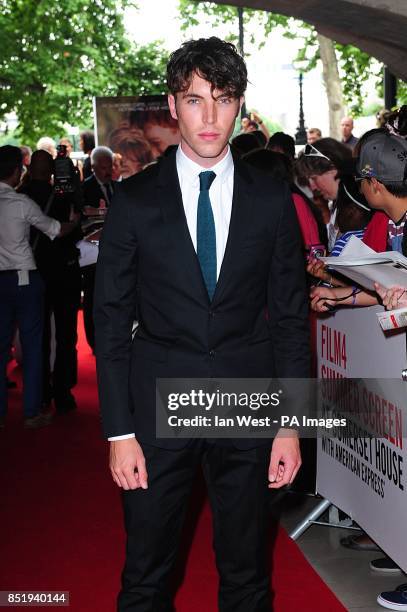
(238, 494)
(62, 298)
(88, 287)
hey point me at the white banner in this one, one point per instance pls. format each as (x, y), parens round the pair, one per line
(362, 468)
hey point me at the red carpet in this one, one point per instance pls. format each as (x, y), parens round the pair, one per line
(61, 519)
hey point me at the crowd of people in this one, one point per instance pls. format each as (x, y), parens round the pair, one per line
(357, 187)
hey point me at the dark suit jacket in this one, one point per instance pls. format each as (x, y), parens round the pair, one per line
(147, 259)
(92, 193)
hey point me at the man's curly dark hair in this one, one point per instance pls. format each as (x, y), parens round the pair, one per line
(214, 60)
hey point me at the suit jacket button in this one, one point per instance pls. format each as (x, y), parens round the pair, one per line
(211, 314)
(212, 353)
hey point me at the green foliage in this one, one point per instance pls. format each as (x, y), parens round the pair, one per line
(371, 109)
(55, 56)
(8, 138)
(355, 66)
(194, 13)
(401, 92)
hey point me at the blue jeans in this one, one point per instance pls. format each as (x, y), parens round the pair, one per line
(22, 306)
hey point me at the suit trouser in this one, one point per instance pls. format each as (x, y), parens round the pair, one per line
(62, 298)
(88, 286)
(238, 494)
(22, 305)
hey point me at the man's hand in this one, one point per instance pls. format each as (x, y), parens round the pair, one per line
(285, 458)
(393, 298)
(127, 464)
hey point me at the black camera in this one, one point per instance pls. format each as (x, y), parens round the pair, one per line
(64, 172)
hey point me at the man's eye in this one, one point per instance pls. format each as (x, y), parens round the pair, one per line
(193, 101)
(225, 100)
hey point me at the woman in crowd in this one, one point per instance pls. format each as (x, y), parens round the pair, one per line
(280, 167)
(383, 179)
(323, 164)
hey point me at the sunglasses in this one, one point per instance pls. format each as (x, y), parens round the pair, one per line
(311, 151)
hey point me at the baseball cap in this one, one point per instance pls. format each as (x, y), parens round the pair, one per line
(383, 156)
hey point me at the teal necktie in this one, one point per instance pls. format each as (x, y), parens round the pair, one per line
(205, 233)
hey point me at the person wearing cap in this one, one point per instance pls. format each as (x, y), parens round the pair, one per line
(382, 170)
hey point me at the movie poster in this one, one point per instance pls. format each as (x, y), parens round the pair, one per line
(138, 129)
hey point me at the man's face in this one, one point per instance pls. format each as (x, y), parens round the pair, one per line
(160, 137)
(206, 120)
(103, 169)
(312, 137)
(346, 127)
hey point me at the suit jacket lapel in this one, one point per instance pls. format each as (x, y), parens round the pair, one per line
(173, 213)
(239, 225)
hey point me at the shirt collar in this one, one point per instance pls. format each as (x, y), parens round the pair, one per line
(98, 180)
(190, 170)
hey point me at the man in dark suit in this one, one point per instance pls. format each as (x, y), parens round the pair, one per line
(208, 251)
(97, 195)
(98, 188)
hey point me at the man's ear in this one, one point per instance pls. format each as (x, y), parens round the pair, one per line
(16, 176)
(377, 186)
(172, 106)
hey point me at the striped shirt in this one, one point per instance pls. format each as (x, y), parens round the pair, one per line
(342, 240)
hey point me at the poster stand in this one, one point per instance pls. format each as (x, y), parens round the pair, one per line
(312, 519)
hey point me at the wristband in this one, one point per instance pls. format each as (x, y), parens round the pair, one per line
(355, 291)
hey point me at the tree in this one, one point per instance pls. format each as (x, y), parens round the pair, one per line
(332, 83)
(354, 66)
(345, 67)
(55, 56)
(193, 11)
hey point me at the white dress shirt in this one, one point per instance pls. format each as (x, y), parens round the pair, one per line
(105, 190)
(221, 196)
(17, 213)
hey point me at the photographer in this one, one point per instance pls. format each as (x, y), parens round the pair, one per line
(21, 286)
(58, 263)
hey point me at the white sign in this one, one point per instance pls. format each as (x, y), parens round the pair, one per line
(362, 468)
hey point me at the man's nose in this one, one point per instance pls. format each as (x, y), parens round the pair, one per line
(210, 112)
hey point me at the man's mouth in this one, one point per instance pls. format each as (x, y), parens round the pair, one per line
(209, 135)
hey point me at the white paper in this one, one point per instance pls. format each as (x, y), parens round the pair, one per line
(89, 253)
(365, 267)
(393, 319)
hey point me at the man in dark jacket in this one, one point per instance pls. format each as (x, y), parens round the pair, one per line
(203, 246)
(58, 263)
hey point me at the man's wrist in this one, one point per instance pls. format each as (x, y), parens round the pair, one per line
(123, 437)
